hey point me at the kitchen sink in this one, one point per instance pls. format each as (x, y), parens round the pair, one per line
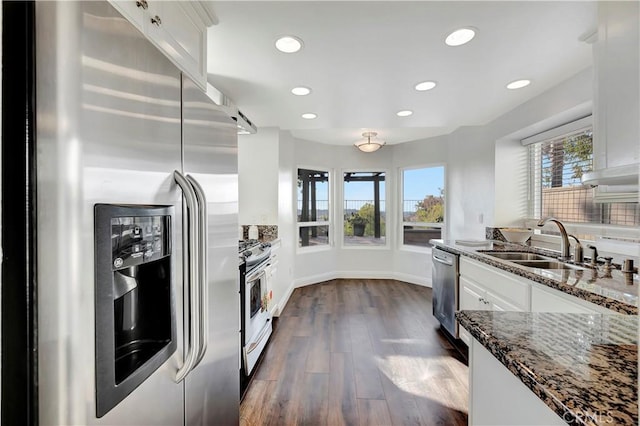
(516, 256)
(545, 264)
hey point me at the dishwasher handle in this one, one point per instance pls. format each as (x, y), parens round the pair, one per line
(447, 262)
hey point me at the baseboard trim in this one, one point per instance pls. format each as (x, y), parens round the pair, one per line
(413, 279)
(283, 302)
(315, 279)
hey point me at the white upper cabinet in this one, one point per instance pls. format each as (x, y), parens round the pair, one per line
(617, 85)
(177, 28)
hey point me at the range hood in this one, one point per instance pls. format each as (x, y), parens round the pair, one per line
(614, 184)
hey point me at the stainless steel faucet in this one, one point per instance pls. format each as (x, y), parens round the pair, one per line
(564, 244)
(578, 256)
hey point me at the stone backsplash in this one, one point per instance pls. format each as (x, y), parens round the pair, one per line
(491, 233)
(265, 232)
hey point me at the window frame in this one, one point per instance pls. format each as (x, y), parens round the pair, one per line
(329, 223)
(400, 203)
(339, 228)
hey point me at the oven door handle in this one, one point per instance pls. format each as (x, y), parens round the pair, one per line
(190, 275)
(257, 274)
(202, 266)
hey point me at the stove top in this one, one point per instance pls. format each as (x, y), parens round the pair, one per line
(246, 245)
(253, 251)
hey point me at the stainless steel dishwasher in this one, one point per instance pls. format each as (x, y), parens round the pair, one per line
(445, 273)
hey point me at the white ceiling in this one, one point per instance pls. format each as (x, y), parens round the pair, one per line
(362, 59)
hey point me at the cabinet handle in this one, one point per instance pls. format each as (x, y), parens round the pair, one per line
(143, 4)
(156, 20)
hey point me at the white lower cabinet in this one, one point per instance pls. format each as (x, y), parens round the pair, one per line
(497, 397)
(484, 288)
(471, 296)
(545, 299)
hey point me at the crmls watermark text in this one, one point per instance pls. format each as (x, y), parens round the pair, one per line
(596, 417)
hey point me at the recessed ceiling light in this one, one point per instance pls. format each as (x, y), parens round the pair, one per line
(301, 91)
(425, 85)
(289, 44)
(404, 113)
(460, 36)
(309, 115)
(518, 84)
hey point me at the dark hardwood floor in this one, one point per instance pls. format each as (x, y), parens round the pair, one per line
(358, 352)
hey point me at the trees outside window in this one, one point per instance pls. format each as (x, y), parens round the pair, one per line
(423, 205)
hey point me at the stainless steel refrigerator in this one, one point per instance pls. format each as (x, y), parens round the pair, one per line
(117, 124)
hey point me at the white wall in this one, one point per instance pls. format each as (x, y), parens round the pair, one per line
(471, 183)
(283, 285)
(258, 177)
(414, 264)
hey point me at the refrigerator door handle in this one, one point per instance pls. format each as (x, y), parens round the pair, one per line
(191, 275)
(202, 267)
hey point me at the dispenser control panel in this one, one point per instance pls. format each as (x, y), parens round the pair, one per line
(139, 239)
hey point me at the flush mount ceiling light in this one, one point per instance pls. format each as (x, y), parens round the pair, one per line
(289, 44)
(309, 116)
(425, 85)
(369, 143)
(404, 113)
(300, 91)
(518, 84)
(460, 36)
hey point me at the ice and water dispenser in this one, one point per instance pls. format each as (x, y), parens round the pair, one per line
(135, 304)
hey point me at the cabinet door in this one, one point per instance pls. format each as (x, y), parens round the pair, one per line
(133, 10)
(176, 29)
(471, 296)
(499, 304)
(616, 66)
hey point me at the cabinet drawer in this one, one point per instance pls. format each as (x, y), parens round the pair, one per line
(497, 282)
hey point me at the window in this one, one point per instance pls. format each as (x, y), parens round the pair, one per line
(364, 208)
(313, 208)
(422, 205)
(556, 166)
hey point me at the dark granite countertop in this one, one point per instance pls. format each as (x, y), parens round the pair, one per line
(614, 290)
(583, 366)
